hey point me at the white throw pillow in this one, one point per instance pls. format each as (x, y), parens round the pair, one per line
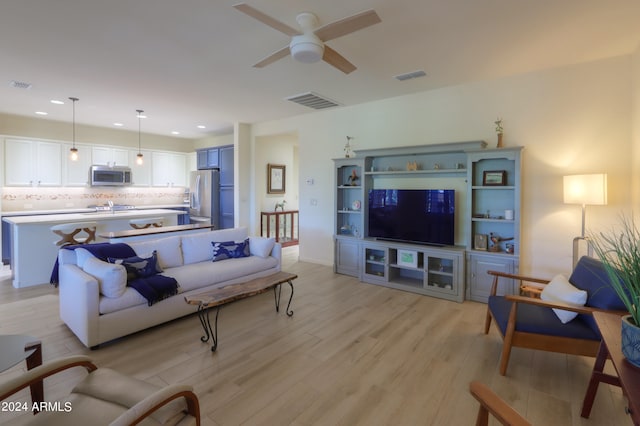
(112, 278)
(560, 289)
(261, 246)
(82, 255)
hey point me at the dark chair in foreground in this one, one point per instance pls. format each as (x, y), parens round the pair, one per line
(105, 396)
(529, 322)
(490, 403)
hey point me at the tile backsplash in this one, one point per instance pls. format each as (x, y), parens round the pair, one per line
(38, 198)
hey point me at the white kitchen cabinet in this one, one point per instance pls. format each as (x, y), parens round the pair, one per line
(108, 156)
(76, 173)
(168, 169)
(140, 173)
(32, 163)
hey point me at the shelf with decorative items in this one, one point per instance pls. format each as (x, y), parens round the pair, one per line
(494, 218)
(349, 217)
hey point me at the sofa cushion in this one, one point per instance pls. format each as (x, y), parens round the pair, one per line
(539, 320)
(560, 289)
(203, 274)
(261, 246)
(230, 250)
(111, 278)
(129, 298)
(169, 250)
(197, 247)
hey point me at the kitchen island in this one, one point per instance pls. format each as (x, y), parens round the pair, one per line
(33, 249)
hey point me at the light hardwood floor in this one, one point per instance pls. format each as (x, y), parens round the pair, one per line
(353, 353)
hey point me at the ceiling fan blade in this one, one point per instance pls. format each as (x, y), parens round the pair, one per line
(335, 59)
(347, 25)
(279, 54)
(266, 19)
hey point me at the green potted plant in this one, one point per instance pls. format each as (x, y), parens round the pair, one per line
(619, 251)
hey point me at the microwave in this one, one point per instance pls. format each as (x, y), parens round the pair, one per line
(109, 176)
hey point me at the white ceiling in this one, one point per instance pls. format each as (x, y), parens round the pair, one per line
(189, 62)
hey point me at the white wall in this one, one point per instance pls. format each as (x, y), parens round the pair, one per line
(635, 133)
(574, 119)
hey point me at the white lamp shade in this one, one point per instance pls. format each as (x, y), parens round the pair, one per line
(586, 189)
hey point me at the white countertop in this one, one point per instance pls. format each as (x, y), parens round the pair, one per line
(88, 215)
(85, 210)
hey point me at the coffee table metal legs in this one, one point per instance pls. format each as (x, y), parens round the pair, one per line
(203, 315)
(212, 332)
(277, 291)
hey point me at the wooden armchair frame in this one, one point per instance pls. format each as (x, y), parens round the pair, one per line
(132, 416)
(513, 338)
(490, 403)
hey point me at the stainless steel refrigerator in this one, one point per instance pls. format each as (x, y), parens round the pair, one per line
(204, 198)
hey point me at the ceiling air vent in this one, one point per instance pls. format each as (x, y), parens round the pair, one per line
(20, 84)
(410, 75)
(312, 100)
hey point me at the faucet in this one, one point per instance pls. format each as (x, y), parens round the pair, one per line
(110, 203)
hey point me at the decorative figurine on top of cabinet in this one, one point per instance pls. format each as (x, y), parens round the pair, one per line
(348, 150)
(280, 206)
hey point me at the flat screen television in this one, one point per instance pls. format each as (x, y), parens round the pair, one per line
(424, 216)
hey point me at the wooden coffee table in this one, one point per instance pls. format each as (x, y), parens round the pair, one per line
(227, 294)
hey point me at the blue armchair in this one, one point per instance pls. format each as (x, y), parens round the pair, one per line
(529, 322)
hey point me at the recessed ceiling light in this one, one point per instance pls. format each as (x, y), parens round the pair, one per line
(118, 124)
(200, 126)
(57, 102)
(42, 113)
(175, 133)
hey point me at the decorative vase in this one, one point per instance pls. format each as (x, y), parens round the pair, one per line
(499, 140)
(630, 340)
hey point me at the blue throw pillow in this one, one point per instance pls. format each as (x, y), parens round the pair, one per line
(139, 267)
(230, 250)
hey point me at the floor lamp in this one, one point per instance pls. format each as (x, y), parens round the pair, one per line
(585, 190)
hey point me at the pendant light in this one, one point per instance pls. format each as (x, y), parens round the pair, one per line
(74, 150)
(139, 160)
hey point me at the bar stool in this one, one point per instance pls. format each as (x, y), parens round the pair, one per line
(68, 233)
(146, 222)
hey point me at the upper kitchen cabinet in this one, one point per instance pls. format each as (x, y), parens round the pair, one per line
(32, 163)
(208, 158)
(168, 169)
(140, 173)
(76, 173)
(108, 156)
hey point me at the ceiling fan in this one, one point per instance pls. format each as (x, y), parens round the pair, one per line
(308, 44)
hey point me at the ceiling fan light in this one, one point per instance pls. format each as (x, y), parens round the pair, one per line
(306, 48)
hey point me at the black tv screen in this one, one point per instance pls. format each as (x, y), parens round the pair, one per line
(424, 216)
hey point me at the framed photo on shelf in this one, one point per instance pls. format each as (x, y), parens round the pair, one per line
(276, 178)
(408, 258)
(494, 178)
(480, 241)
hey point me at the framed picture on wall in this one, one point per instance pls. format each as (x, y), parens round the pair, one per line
(276, 178)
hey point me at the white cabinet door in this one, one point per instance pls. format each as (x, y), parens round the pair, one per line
(107, 156)
(168, 169)
(18, 160)
(31, 163)
(76, 173)
(140, 173)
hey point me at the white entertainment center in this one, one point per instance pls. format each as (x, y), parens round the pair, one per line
(487, 218)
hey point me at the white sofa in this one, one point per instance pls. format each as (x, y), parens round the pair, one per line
(95, 318)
